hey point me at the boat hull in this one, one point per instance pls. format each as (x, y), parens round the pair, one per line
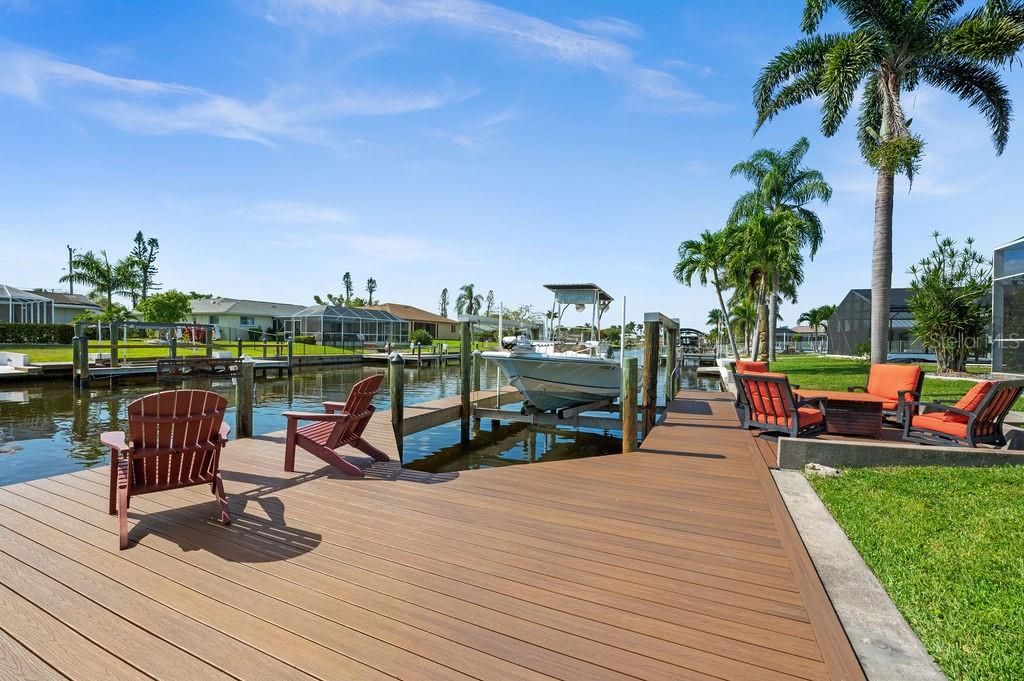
(551, 383)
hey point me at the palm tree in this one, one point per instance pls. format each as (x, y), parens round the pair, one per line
(371, 288)
(107, 280)
(765, 261)
(783, 184)
(468, 301)
(705, 258)
(817, 318)
(744, 316)
(892, 47)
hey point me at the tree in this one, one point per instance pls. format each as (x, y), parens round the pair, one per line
(515, 317)
(817, 318)
(744, 316)
(318, 300)
(145, 252)
(468, 301)
(613, 334)
(346, 282)
(421, 336)
(783, 184)
(357, 302)
(107, 280)
(893, 47)
(371, 287)
(705, 258)
(167, 308)
(951, 301)
(489, 312)
(336, 301)
(444, 302)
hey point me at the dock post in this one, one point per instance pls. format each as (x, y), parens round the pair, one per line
(83, 362)
(396, 394)
(465, 369)
(670, 366)
(239, 347)
(243, 399)
(172, 347)
(291, 353)
(209, 342)
(478, 363)
(115, 331)
(627, 403)
(75, 342)
(652, 352)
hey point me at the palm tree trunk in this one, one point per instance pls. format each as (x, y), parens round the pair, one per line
(763, 326)
(755, 334)
(773, 314)
(881, 268)
(725, 317)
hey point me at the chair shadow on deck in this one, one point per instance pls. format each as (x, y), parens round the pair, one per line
(250, 538)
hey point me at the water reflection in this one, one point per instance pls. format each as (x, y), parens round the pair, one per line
(47, 429)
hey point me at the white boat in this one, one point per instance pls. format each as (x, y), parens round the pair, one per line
(554, 375)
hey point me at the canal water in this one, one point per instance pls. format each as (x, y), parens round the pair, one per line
(46, 429)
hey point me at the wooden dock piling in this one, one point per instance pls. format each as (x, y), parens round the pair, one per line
(671, 387)
(628, 404)
(465, 369)
(115, 355)
(246, 384)
(652, 352)
(396, 395)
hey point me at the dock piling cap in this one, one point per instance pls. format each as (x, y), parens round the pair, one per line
(396, 358)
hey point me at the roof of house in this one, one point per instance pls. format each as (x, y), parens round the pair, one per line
(255, 308)
(67, 299)
(411, 314)
(16, 295)
(806, 329)
(897, 301)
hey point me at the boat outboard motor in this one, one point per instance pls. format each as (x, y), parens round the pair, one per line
(509, 342)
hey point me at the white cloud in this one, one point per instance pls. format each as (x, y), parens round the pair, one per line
(612, 27)
(648, 87)
(155, 107)
(292, 213)
(680, 65)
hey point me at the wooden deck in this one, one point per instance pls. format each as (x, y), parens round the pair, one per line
(678, 562)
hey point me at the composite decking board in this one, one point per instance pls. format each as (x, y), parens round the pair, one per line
(694, 657)
(660, 564)
(19, 663)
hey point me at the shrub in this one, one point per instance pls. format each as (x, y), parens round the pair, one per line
(37, 334)
(308, 340)
(421, 336)
(255, 333)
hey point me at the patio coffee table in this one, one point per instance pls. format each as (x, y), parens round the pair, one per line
(850, 413)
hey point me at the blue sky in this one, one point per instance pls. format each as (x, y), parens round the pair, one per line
(272, 146)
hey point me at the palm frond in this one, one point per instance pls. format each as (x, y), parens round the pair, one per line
(850, 59)
(814, 11)
(993, 35)
(980, 86)
(791, 77)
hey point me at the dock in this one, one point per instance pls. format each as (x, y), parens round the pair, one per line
(678, 561)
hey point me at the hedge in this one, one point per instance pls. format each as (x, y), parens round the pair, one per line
(37, 334)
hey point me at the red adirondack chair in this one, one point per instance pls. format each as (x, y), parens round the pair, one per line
(976, 419)
(772, 407)
(174, 440)
(341, 424)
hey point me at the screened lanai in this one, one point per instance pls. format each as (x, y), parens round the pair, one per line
(333, 325)
(22, 307)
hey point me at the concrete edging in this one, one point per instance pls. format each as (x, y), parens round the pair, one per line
(885, 644)
(795, 453)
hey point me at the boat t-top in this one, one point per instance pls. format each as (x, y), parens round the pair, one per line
(559, 371)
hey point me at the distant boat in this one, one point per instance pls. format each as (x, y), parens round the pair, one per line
(554, 375)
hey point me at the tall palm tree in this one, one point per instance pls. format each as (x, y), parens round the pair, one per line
(783, 184)
(107, 280)
(468, 300)
(705, 258)
(817, 318)
(765, 261)
(744, 316)
(892, 47)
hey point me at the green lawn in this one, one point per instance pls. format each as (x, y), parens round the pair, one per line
(948, 545)
(62, 353)
(814, 372)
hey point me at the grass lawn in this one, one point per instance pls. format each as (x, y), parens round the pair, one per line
(62, 353)
(948, 545)
(814, 372)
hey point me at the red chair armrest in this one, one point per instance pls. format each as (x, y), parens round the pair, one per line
(310, 416)
(331, 407)
(902, 395)
(938, 406)
(116, 440)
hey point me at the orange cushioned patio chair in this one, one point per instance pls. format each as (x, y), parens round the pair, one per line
(772, 407)
(341, 424)
(976, 419)
(174, 440)
(898, 384)
(745, 366)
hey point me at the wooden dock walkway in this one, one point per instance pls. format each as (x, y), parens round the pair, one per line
(677, 562)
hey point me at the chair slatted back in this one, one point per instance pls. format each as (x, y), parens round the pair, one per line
(175, 438)
(768, 396)
(358, 407)
(995, 405)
